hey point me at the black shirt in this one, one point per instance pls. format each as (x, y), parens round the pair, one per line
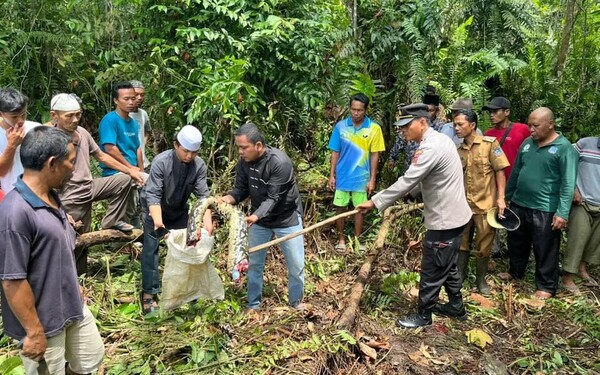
(271, 184)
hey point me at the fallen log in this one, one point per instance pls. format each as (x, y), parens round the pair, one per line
(348, 316)
(104, 236)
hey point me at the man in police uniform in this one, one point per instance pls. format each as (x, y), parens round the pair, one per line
(480, 156)
(437, 171)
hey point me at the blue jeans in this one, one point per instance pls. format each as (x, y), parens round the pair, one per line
(293, 251)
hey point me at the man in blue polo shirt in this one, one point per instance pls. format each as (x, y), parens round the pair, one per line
(42, 304)
(355, 146)
(119, 133)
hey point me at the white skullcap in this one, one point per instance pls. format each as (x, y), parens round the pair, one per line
(190, 138)
(64, 102)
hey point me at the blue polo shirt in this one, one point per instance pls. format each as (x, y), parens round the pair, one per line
(355, 146)
(37, 244)
(123, 133)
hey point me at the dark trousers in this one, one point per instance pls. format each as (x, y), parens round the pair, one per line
(536, 230)
(438, 267)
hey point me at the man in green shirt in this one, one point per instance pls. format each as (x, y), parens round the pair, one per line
(540, 190)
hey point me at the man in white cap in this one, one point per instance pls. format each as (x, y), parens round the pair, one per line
(82, 190)
(13, 127)
(174, 176)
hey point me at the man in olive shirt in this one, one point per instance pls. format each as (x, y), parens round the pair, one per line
(483, 162)
(540, 190)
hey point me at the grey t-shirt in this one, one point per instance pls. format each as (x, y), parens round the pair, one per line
(141, 117)
(37, 244)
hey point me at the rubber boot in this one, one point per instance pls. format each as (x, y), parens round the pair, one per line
(463, 263)
(482, 268)
(455, 308)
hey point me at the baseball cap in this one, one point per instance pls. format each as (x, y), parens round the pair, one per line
(497, 103)
(510, 221)
(64, 102)
(410, 112)
(190, 138)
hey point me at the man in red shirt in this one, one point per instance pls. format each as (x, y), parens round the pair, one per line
(509, 134)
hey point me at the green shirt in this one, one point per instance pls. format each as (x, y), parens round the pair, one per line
(543, 178)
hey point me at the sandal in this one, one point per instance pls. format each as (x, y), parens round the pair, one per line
(340, 248)
(123, 227)
(572, 289)
(588, 281)
(149, 304)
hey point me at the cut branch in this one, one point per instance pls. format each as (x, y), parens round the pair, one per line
(106, 236)
(348, 316)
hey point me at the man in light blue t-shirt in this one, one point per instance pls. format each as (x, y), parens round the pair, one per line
(119, 133)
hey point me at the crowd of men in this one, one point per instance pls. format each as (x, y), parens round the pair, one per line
(515, 176)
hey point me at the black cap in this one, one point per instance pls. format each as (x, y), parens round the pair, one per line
(499, 102)
(432, 99)
(410, 112)
(510, 221)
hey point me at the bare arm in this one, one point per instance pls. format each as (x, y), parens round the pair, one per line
(113, 164)
(335, 156)
(20, 298)
(14, 138)
(501, 186)
(156, 214)
(373, 180)
(140, 159)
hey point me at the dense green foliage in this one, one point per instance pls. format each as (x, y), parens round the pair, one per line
(290, 65)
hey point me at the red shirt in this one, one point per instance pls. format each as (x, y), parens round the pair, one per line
(1, 195)
(512, 143)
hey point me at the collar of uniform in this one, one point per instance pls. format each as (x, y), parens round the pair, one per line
(30, 197)
(365, 124)
(427, 133)
(477, 140)
(265, 155)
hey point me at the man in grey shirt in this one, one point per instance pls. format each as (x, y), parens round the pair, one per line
(436, 171)
(174, 176)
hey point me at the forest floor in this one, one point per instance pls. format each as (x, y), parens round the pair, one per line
(511, 333)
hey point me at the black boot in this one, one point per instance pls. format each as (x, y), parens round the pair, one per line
(454, 309)
(420, 319)
(462, 264)
(482, 268)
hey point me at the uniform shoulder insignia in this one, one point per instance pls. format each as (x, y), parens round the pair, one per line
(488, 138)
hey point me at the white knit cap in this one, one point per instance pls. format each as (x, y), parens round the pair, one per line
(64, 102)
(190, 138)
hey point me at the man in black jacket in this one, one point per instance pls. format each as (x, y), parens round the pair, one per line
(266, 175)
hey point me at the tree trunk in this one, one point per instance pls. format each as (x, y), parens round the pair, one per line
(570, 17)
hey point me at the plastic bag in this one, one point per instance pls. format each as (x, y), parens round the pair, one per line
(188, 274)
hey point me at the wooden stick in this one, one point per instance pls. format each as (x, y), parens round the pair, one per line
(303, 231)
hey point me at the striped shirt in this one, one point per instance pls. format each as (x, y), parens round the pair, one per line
(589, 169)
